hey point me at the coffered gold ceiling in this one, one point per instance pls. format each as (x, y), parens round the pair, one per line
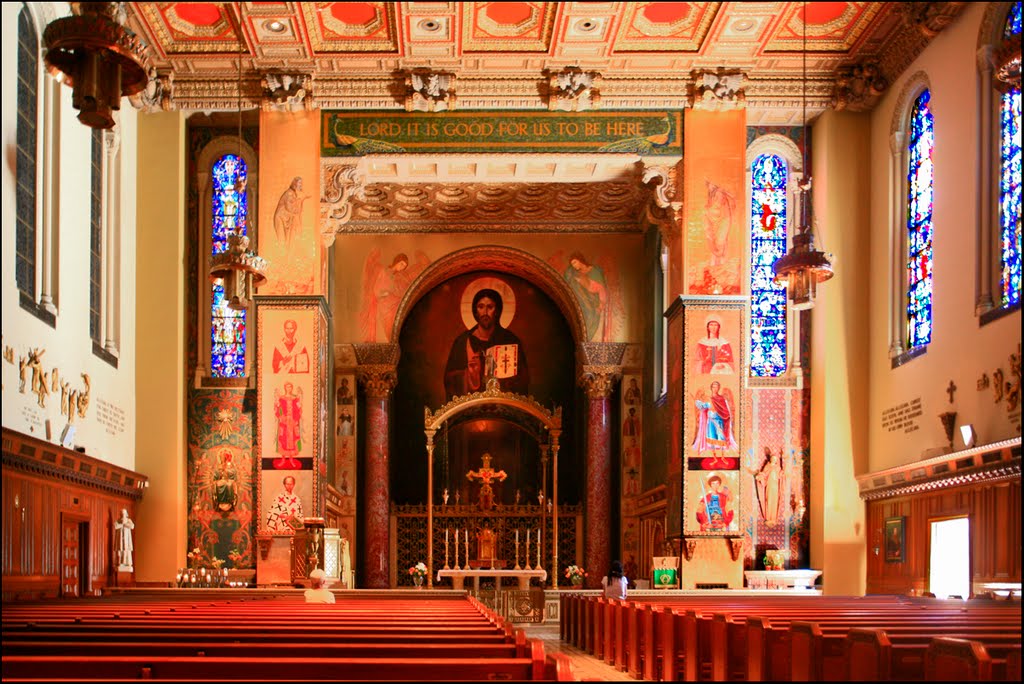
(646, 52)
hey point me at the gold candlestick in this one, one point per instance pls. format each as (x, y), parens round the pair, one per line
(527, 554)
(538, 550)
(457, 549)
(446, 549)
(517, 551)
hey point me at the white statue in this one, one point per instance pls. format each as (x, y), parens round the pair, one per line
(123, 541)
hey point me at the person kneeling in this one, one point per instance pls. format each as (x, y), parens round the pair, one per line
(319, 593)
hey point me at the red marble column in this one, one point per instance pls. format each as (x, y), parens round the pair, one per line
(598, 508)
(378, 382)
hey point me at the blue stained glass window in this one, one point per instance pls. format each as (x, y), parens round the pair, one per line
(768, 219)
(1009, 179)
(1012, 27)
(25, 161)
(227, 329)
(920, 181)
(1009, 195)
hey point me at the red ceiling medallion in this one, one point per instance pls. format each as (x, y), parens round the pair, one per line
(666, 12)
(199, 13)
(351, 26)
(831, 26)
(665, 26)
(508, 26)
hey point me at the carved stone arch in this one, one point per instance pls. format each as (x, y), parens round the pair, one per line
(990, 32)
(912, 88)
(503, 260)
(773, 143)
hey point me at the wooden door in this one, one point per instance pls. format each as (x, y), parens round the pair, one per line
(70, 563)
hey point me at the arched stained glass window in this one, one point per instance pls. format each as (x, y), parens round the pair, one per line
(1009, 178)
(768, 222)
(227, 355)
(25, 194)
(921, 188)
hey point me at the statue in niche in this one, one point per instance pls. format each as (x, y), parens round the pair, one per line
(770, 483)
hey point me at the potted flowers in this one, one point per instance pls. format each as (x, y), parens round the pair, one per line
(418, 572)
(575, 574)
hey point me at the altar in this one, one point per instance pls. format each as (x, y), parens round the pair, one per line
(523, 577)
(781, 579)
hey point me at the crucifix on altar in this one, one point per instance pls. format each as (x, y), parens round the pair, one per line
(486, 475)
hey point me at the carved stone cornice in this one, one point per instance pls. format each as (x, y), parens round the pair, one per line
(858, 87)
(287, 92)
(157, 95)
(429, 91)
(573, 90)
(598, 381)
(929, 17)
(378, 380)
(341, 182)
(718, 90)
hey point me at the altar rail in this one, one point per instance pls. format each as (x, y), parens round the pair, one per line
(409, 542)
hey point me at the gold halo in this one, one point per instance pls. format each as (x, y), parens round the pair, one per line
(508, 300)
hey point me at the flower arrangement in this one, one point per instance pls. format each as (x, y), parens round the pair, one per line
(216, 563)
(235, 557)
(418, 570)
(194, 557)
(575, 574)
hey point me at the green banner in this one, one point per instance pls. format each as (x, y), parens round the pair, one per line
(354, 134)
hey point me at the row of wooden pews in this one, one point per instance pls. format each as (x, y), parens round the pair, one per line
(793, 637)
(379, 638)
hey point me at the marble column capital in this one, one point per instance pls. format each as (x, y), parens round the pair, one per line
(598, 381)
(378, 379)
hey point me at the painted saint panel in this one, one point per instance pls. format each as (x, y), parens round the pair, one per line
(289, 207)
(713, 414)
(289, 404)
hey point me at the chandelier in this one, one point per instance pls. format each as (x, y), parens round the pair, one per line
(238, 267)
(803, 267)
(100, 59)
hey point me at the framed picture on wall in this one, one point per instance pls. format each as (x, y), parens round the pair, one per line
(895, 540)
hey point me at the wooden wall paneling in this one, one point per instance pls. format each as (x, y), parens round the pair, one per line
(994, 512)
(46, 490)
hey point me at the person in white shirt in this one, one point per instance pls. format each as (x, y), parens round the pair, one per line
(615, 582)
(318, 593)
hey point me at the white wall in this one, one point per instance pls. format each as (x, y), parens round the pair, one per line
(960, 350)
(69, 346)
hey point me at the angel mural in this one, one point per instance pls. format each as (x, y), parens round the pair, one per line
(770, 484)
(383, 289)
(288, 411)
(714, 420)
(595, 289)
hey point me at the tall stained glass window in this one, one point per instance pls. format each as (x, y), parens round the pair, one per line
(25, 194)
(920, 182)
(227, 329)
(1009, 178)
(768, 219)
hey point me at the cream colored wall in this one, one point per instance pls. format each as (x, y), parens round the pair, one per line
(960, 350)
(160, 441)
(625, 252)
(69, 346)
(839, 382)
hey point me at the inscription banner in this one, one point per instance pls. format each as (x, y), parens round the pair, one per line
(355, 134)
